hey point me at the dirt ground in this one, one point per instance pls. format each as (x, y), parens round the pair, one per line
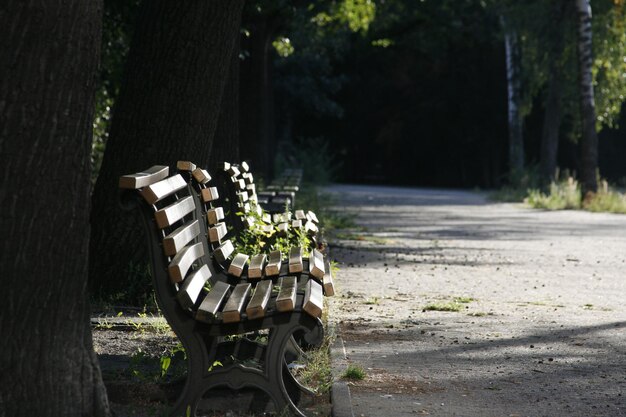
(540, 326)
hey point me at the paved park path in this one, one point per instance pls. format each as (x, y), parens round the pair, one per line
(543, 335)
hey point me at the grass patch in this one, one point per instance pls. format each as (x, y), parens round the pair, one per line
(562, 195)
(317, 372)
(354, 372)
(464, 300)
(480, 314)
(566, 195)
(451, 306)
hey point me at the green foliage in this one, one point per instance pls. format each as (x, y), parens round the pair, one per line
(254, 240)
(606, 200)
(283, 46)
(355, 372)
(357, 14)
(562, 195)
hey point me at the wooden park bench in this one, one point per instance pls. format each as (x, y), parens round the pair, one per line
(246, 212)
(216, 301)
(281, 191)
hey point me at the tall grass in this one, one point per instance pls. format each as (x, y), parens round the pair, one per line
(566, 195)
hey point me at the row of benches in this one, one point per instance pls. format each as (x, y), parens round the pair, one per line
(209, 292)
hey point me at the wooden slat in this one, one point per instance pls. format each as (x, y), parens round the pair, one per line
(241, 184)
(169, 215)
(223, 251)
(313, 299)
(144, 178)
(283, 228)
(243, 196)
(233, 171)
(273, 265)
(296, 224)
(258, 303)
(248, 178)
(209, 307)
(217, 232)
(209, 194)
(295, 260)
(244, 166)
(234, 306)
(329, 286)
(268, 228)
(214, 215)
(190, 290)
(316, 264)
(185, 166)
(238, 264)
(286, 300)
(250, 222)
(177, 269)
(310, 228)
(300, 215)
(267, 218)
(257, 263)
(176, 240)
(251, 189)
(201, 175)
(159, 190)
(311, 216)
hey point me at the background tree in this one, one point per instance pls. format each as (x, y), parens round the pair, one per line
(49, 52)
(168, 109)
(589, 137)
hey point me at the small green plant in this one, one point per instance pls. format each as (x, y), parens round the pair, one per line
(450, 306)
(372, 301)
(355, 372)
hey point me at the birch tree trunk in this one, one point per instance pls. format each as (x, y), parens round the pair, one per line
(589, 136)
(514, 93)
(49, 53)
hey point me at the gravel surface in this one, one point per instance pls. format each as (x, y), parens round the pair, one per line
(540, 329)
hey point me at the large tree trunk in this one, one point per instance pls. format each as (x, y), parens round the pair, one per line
(589, 137)
(552, 115)
(514, 91)
(257, 98)
(167, 110)
(49, 53)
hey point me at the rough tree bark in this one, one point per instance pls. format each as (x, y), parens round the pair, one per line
(49, 53)
(514, 92)
(167, 110)
(552, 115)
(589, 136)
